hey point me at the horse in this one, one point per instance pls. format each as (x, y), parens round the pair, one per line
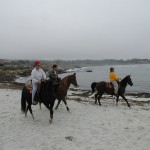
(63, 87)
(106, 87)
(44, 95)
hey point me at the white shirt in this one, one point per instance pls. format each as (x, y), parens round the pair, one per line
(37, 75)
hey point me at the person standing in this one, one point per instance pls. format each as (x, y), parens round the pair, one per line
(37, 75)
(114, 79)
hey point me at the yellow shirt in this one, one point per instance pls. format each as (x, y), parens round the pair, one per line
(113, 76)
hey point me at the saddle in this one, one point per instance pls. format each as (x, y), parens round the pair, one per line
(110, 85)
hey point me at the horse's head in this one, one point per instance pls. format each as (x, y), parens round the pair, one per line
(73, 80)
(128, 80)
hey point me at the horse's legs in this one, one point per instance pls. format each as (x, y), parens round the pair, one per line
(30, 109)
(99, 97)
(50, 108)
(58, 104)
(125, 100)
(26, 111)
(117, 99)
(51, 112)
(40, 105)
(96, 97)
(65, 102)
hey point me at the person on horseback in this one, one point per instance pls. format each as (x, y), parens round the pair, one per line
(53, 77)
(37, 75)
(114, 79)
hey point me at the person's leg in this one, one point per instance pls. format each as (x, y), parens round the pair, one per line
(115, 84)
(34, 90)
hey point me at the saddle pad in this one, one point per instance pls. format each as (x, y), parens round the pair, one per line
(108, 85)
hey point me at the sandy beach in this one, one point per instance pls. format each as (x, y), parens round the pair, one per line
(87, 126)
(94, 41)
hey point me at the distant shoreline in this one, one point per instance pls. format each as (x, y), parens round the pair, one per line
(19, 86)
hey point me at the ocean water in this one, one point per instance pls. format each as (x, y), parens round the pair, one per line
(140, 75)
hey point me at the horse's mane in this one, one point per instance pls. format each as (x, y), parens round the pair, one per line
(124, 80)
(65, 78)
(65, 82)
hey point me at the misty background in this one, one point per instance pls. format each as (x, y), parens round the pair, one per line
(74, 29)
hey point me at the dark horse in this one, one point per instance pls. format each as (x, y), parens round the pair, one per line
(105, 87)
(63, 87)
(44, 95)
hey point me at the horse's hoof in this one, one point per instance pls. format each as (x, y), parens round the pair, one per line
(33, 117)
(50, 121)
(67, 109)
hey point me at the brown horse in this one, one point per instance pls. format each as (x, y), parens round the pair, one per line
(63, 87)
(105, 87)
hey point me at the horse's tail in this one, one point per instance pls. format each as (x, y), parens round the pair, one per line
(23, 101)
(93, 85)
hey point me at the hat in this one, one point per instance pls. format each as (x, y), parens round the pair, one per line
(37, 63)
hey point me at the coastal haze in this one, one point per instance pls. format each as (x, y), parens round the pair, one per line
(81, 29)
(85, 37)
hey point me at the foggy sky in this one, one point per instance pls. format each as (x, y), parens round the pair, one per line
(74, 29)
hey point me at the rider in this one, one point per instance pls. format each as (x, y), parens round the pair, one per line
(53, 77)
(37, 75)
(114, 79)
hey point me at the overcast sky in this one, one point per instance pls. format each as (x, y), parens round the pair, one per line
(74, 29)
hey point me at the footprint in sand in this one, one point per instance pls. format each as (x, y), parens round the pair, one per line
(141, 128)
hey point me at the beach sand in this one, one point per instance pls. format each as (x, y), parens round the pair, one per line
(87, 126)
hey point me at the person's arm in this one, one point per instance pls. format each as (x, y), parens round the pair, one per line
(33, 74)
(114, 77)
(52, 76)
(43, 75)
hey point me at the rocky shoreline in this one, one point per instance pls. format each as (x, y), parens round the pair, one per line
(84, 93)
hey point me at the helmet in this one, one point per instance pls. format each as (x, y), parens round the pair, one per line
(37, 63)
(111, 69)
